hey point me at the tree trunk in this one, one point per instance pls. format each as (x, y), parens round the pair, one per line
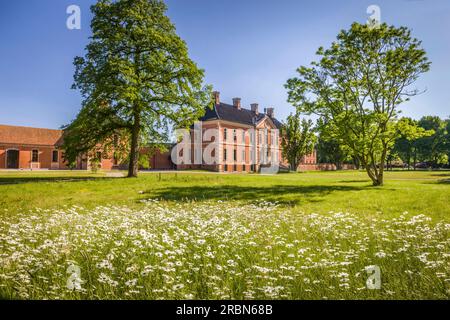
(380, 175)
(134, 151)
(377, 179)
(409, 161)
(373, 174)
(293, 166)
(415, 159)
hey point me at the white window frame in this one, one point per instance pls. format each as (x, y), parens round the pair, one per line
(32, 151)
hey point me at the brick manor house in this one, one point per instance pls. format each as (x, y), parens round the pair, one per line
(238, 128)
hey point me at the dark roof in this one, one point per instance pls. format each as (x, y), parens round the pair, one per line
(230, 113)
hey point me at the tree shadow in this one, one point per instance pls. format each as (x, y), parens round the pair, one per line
(22, 180)
(441, 175)
(444, 181)
(284, 194)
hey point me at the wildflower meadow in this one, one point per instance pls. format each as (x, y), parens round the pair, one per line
(220, 250)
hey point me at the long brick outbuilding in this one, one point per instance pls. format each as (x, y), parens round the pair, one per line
(38, 148)
(30, 148)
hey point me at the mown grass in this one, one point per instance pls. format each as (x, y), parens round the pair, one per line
(213, 236)
(426, 192)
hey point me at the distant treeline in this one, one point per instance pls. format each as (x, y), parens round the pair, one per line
(431, 151)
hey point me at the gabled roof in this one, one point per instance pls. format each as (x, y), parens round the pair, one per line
(30, 136)
(230, 113)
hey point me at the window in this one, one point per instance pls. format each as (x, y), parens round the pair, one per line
(225, 154)
(234, 155)
(243, 156)
(35, 156)
(225, 131)
(243, 136)
(234, 135)
(55, 155)
(251, 137)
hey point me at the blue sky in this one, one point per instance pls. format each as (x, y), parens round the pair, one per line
(248, 48)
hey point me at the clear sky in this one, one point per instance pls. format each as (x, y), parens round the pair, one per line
(248, 48)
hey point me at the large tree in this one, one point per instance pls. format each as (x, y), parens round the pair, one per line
(136, 79)
(357, 86)
(298, 139)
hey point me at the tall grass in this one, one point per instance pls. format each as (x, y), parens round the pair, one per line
(219, 250)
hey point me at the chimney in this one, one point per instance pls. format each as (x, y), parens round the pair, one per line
(216, 95)
(270, 112)
(237, 103)
(254, 107)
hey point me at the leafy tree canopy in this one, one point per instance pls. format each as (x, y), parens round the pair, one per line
(298, 139)
(357, 86)
(136, 79)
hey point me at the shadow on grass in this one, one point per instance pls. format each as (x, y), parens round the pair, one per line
(20, 180)
(284, 194)
(444, 181)
(441, 175)
(355, 181)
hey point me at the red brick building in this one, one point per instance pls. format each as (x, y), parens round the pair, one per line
(30, 148)
(241, 135)
(37, 148)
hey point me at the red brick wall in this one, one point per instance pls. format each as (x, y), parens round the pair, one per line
(25, 157)
(161, 161)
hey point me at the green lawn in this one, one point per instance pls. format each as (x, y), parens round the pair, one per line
(424, 192)
(186, 235)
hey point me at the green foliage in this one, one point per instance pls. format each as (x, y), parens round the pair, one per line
(406, 146)
(298, 139)
(95, 164)
(432, 147)
(330, 151)
(136, 78)
(356, 89)
(144, 161)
